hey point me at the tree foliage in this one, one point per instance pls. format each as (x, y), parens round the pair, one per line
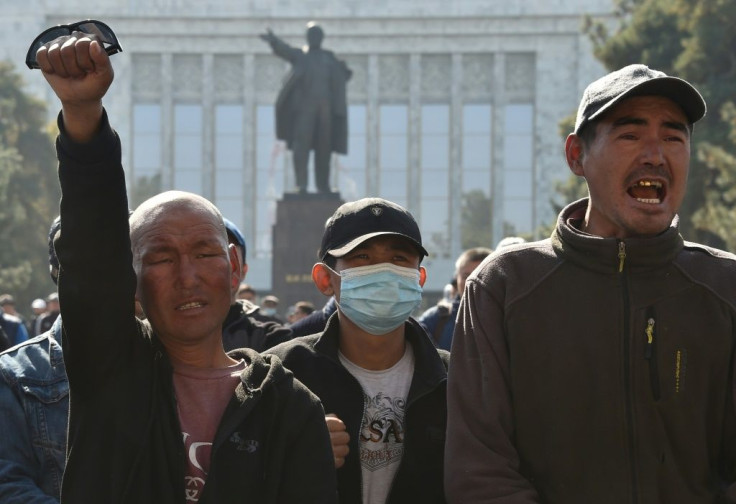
(144, 188)
(475, 228)
(29, 191)
(694, 40)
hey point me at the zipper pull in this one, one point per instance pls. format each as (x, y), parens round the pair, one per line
(650, 339)
(621, 256)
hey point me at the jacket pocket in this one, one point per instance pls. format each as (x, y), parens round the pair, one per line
(47, 392)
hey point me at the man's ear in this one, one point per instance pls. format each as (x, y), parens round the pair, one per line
(574, 151)
(322, 279)
(234, 267)
(422, 276)
(136, 267)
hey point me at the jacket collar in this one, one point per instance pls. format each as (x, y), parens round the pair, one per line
(429, 370)
(260, 373)
(604, 255)
(238, 310)
(56, 357)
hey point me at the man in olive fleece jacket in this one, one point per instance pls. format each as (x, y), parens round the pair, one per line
(597, 366)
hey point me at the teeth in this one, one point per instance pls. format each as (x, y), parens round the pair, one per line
(652, 201)
(649, 183)
(189, 305)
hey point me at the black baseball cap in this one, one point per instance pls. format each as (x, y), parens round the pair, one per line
(637, 80)
(358, 221)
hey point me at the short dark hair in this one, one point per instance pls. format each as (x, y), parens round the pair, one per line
(475, 254)
(246, 288)
(330, 261)
(304, 306)
(587, 133)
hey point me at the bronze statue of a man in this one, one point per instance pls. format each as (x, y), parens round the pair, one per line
(311, 109)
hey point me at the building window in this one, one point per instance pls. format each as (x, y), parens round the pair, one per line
(188, 140)
(477, 136)
(351, 169)
(393, 153)
(477, 168)
(434, 173)
(229, 164)
(518, 167)
(147, 153)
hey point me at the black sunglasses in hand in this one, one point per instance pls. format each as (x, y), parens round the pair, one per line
(100, 30)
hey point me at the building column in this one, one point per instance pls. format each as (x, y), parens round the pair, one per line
(249, 147)
(208, 127)
(455, 182)
(497, 161)
(414, 137)
(167, 121)
(372, 128)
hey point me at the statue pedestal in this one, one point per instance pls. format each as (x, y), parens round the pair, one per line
(297, 235)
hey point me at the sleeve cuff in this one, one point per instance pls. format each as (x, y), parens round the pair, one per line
(96, 150)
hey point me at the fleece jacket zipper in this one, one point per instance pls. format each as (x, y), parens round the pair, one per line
(650, 353)
(627, 371)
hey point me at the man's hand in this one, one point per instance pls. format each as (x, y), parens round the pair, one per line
(268, 36)
(339, 438)
(79, 71)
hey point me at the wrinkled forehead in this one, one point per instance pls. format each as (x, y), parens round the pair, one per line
(176, 215)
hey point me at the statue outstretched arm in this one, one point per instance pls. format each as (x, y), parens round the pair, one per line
(279, 47)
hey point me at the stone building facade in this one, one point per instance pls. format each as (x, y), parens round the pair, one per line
(450, 102)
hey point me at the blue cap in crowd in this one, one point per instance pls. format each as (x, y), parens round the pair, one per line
(234, 235)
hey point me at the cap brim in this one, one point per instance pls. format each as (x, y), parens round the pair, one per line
(678, 90)
(341, 251)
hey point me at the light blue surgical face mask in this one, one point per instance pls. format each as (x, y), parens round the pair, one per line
(380, 297)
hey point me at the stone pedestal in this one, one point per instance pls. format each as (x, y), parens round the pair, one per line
(297, 234)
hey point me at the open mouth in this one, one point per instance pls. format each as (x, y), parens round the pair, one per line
(189, 306)
(648, 191)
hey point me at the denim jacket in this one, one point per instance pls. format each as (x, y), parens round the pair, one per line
(34, 402)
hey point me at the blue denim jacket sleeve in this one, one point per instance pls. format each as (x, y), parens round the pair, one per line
(34, 402)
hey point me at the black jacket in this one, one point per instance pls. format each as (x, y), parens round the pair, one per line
(316, 321)
(314, 361)
(243, 328)
(125, 442)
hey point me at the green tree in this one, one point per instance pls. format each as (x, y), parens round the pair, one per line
(566, 191)
(29, 191)
(144, 188)
(695, 40)
(475, 230)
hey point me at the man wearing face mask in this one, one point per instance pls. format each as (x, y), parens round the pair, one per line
(379, 377)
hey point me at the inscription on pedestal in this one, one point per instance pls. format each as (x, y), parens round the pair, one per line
(297, 234)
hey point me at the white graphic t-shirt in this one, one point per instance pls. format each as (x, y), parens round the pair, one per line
(201, 396)
(382, 431)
